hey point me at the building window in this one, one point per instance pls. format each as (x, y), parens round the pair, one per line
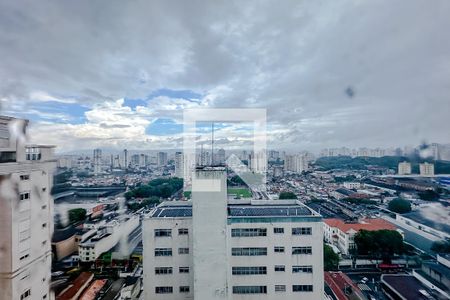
(278, 230)
(44, 206)
(302, 288)
(183, 231)
(25, 294)
(278, 249)
(280, 268)
(25, 256)
(183, 270)
(163, 251)
(184, 289)
(163, 290)
(301, 250)
(44, 225)
(302, 231)
(25, 196)
(280, 288)
(249, 270)
(163, 270)
(33, 153)
(247, 232)
(25, 177)
(7, 156)
(183, 250)
(248, 251)
(255, 289)
(302, 269)
(163, 232)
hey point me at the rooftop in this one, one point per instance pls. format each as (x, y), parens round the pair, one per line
(237, 209)
(407, 286)
(365, 224)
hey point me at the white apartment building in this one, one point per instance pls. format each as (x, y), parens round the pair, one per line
(295, 163)
(108, 235)
(26, 214)
(341, 234)
(404, 168)
(162, 159)
(209, 248)
(426, 169)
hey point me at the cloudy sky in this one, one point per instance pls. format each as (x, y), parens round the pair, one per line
(118, 74)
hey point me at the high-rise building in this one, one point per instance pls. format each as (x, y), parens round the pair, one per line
(162, 159)
(26, 214)
(219, 157)
(179, 165)
(143, 160)
(125, 159)
(404, 168)
(97, 161)
(257, 162)
(426, 169)
(296, 163)
(135, 160)
(210, 249)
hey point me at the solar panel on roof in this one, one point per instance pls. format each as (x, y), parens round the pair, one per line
(236, 211)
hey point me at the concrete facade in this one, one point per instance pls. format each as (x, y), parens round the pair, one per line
(246, 249)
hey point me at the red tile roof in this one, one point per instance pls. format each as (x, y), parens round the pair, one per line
(91, 292)
(365, 224)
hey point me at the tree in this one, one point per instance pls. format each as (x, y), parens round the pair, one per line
(287, 195)
(441, 246)
(379, 244)
(330, 258)
(77, 215)
(400, 206)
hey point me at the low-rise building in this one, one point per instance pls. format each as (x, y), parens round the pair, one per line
(341, 234)
(107, 237)
(404, 168)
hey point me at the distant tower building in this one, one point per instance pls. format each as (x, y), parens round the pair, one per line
(26, 215)
(426, 169)
(135, 160)
(125, 159)
(258, 162)
(435, 151)
(404, 168)
(97, 161)
(162, 159)
(116, 162)
(219, 157)
(179, 165)
(143, 160)
(296, 163)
